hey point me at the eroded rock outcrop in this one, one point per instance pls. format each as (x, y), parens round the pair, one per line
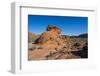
(52, 45)
(51, 38)
(52, 33)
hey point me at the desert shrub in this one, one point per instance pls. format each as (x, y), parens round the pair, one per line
(50, 53)
(56, 48)
(76, 45)
(32, 48)
(40, 47)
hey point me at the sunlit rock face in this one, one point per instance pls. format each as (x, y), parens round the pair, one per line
(52, 33)
(52, 45)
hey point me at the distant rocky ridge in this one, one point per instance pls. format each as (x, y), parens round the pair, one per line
(32, 37)
(52, 45)
(85, 35)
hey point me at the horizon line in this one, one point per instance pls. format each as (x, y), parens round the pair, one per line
(61, 34)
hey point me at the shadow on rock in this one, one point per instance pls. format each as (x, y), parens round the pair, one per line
(83, 53)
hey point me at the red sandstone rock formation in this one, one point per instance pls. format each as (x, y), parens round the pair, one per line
(51, 45)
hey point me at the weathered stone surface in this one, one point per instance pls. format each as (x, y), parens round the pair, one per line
(51, 34)
(52, 45)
